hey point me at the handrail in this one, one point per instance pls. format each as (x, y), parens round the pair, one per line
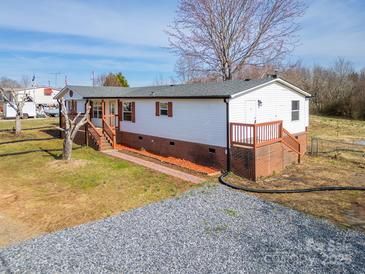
(256, 135)
(292, 143)
(268, 133)
(94, 128)
(110, 133)
(95, 134)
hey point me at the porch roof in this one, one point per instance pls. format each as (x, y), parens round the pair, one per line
(225, 89)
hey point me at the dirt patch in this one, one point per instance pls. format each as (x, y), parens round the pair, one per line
(60, 165)
(13, 231)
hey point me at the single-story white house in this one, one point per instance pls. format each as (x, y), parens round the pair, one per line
(215, 124)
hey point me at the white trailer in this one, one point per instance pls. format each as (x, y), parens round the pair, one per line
(29, 110)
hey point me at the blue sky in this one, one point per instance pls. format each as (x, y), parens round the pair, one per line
(77, 37)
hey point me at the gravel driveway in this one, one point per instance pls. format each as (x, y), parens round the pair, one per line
(210, 229)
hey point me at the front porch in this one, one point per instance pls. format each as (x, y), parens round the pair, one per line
(103, 123)
(100, 130)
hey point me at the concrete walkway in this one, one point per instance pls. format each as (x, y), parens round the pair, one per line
(160, 168)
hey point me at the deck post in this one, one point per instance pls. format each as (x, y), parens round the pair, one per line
(254, 135)
(102, 114)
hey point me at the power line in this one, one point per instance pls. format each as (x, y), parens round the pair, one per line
(56, 76)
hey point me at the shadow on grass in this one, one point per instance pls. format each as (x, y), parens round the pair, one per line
(55, 133)
(27, 140)
(48, 151)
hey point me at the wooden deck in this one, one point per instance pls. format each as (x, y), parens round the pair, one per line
(261, 134)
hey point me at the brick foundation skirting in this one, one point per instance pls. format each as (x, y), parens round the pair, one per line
(245, 161)
(212, 156)
(266, 160)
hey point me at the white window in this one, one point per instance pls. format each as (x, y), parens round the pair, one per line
(164, 109)
(97, 110)
(294, 110)
(127, 111)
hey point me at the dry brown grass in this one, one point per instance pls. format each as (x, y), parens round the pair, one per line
(343, 207)
(334, 128)
(41, 194)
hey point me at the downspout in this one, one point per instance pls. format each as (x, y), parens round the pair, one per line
(228, 136)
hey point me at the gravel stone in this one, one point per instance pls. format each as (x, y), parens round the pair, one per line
(210, 229)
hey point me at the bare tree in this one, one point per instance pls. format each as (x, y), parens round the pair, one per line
(100, 80)
(72, 126)
(25, 81)
(8, 83)
(222, 36)
(160, 80)
(16, 101)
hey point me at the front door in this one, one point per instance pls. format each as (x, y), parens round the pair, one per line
(112, 109)
(250, 111)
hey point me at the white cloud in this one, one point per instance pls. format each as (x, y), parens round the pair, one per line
(78, 70)
(73, 47)
(138, 24)
(333, 28)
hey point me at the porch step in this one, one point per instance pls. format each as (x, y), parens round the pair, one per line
(105, 144)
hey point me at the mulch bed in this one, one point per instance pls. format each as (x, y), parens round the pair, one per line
(172, 160)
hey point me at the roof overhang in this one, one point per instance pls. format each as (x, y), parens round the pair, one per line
(62, 93)
(160, 97)
(276, 80)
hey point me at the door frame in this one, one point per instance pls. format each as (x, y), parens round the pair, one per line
(247, 112)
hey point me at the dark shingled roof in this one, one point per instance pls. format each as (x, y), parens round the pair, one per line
(213, 90)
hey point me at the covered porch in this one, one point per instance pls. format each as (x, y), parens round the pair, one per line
(103, 122)
(100, 130)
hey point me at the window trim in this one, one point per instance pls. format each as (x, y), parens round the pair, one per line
(294, 111)
(163, 109)
(97, 108)
(126, 112)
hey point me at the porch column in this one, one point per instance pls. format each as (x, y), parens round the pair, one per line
(102, 114)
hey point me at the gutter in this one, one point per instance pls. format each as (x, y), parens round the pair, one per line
(156, 97)
(228, 136)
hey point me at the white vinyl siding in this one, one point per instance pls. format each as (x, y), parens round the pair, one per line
(276, 104)
(195, 120)
(81, 106)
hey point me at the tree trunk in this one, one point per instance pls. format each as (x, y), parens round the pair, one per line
(18, 125)
(67, 148)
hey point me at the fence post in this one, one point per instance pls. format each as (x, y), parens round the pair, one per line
(314, 146)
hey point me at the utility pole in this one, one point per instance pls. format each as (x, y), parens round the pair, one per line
(93, 78)
(55, 77)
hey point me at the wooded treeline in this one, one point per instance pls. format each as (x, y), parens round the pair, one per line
(337, 90)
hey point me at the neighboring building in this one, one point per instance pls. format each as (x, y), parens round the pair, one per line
(39, 98)
(255, 127)
(42, 96)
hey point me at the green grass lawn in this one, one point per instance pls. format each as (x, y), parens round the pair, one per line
(47, 194)
(30, 123)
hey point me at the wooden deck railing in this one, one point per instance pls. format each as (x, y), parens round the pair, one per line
(94, 133)
(256, 135)
(109, 132)
(290, 141)
(242, 134)
(111, 120)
